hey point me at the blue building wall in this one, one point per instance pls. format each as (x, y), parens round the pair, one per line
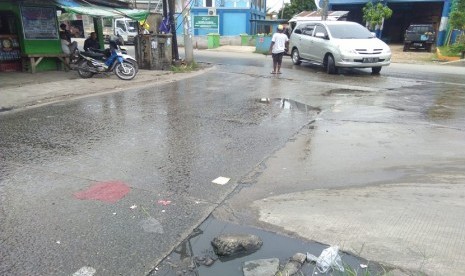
(234, 16)
(234, 23)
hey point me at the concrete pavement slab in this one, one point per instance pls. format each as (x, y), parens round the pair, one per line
(411, 225)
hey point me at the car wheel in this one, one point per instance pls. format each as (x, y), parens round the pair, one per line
(406, 47)
(428, 47)
(296, 57)
(375, 70)
(331, 65)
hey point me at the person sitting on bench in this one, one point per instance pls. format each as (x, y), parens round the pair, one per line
(67, 46)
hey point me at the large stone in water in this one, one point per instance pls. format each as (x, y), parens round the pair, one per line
(290, 268)
(233, 244)
(299, 258)
(294, 264)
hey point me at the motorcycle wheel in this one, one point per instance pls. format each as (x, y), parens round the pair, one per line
(125, 70)
(134, 63)
(83, 70)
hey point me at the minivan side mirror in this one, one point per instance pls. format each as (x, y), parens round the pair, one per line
(298, 31)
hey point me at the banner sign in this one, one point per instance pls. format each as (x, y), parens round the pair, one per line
(206, 22)
(39, 22)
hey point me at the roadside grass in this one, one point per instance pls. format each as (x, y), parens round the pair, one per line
(449, 51)
(350, 271)
(184, 67)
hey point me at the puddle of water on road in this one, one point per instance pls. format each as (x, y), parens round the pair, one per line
(289, 104)
(181, 260)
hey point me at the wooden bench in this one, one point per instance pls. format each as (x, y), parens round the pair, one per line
(35, 59)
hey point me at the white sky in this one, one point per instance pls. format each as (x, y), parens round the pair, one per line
(275, 5)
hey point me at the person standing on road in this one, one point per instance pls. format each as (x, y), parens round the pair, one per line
(279, 44)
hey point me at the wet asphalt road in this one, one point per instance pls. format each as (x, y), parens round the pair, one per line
(168, 143)
(165, 143)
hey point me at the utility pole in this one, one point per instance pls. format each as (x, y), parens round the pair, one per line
(165, 9)
(324, 14)
(188, 49)
(174, 45)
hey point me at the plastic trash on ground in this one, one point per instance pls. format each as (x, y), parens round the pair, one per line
(328, 258)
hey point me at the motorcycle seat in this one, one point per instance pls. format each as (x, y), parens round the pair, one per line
(93, 55)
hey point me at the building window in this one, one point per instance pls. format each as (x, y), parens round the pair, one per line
(208, 3)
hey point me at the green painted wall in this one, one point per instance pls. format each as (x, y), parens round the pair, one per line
(34, 46)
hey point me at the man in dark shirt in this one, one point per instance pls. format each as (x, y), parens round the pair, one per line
(64, 33)
(91, 42)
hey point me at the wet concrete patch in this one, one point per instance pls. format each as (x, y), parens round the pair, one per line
(447, 104)
(346, 92)
(187, 258)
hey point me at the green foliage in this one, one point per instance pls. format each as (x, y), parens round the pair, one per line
(459, 45)
(457, 15)
(374, 14)
(295, 7)
(447, 50)
(184, 68)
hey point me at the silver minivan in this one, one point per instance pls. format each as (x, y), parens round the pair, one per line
(336, 44)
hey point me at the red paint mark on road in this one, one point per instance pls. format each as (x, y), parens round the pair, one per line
(164, 202)
(110, 191)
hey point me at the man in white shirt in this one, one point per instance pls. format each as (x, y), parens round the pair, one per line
(279, 44)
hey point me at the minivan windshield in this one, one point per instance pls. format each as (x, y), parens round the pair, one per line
(349, 31)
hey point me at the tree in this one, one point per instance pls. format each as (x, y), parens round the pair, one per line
(457, 15)
(295, 7)
(374, 14)
(457, 21)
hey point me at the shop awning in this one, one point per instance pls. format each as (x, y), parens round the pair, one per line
(81, 7)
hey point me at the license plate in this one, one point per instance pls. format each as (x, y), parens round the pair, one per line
(370, 60)
(417, 44)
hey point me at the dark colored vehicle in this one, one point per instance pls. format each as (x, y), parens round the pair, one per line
(419, 36)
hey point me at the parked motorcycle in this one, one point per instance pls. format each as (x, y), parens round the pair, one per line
(107, 53)
(91, 63)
